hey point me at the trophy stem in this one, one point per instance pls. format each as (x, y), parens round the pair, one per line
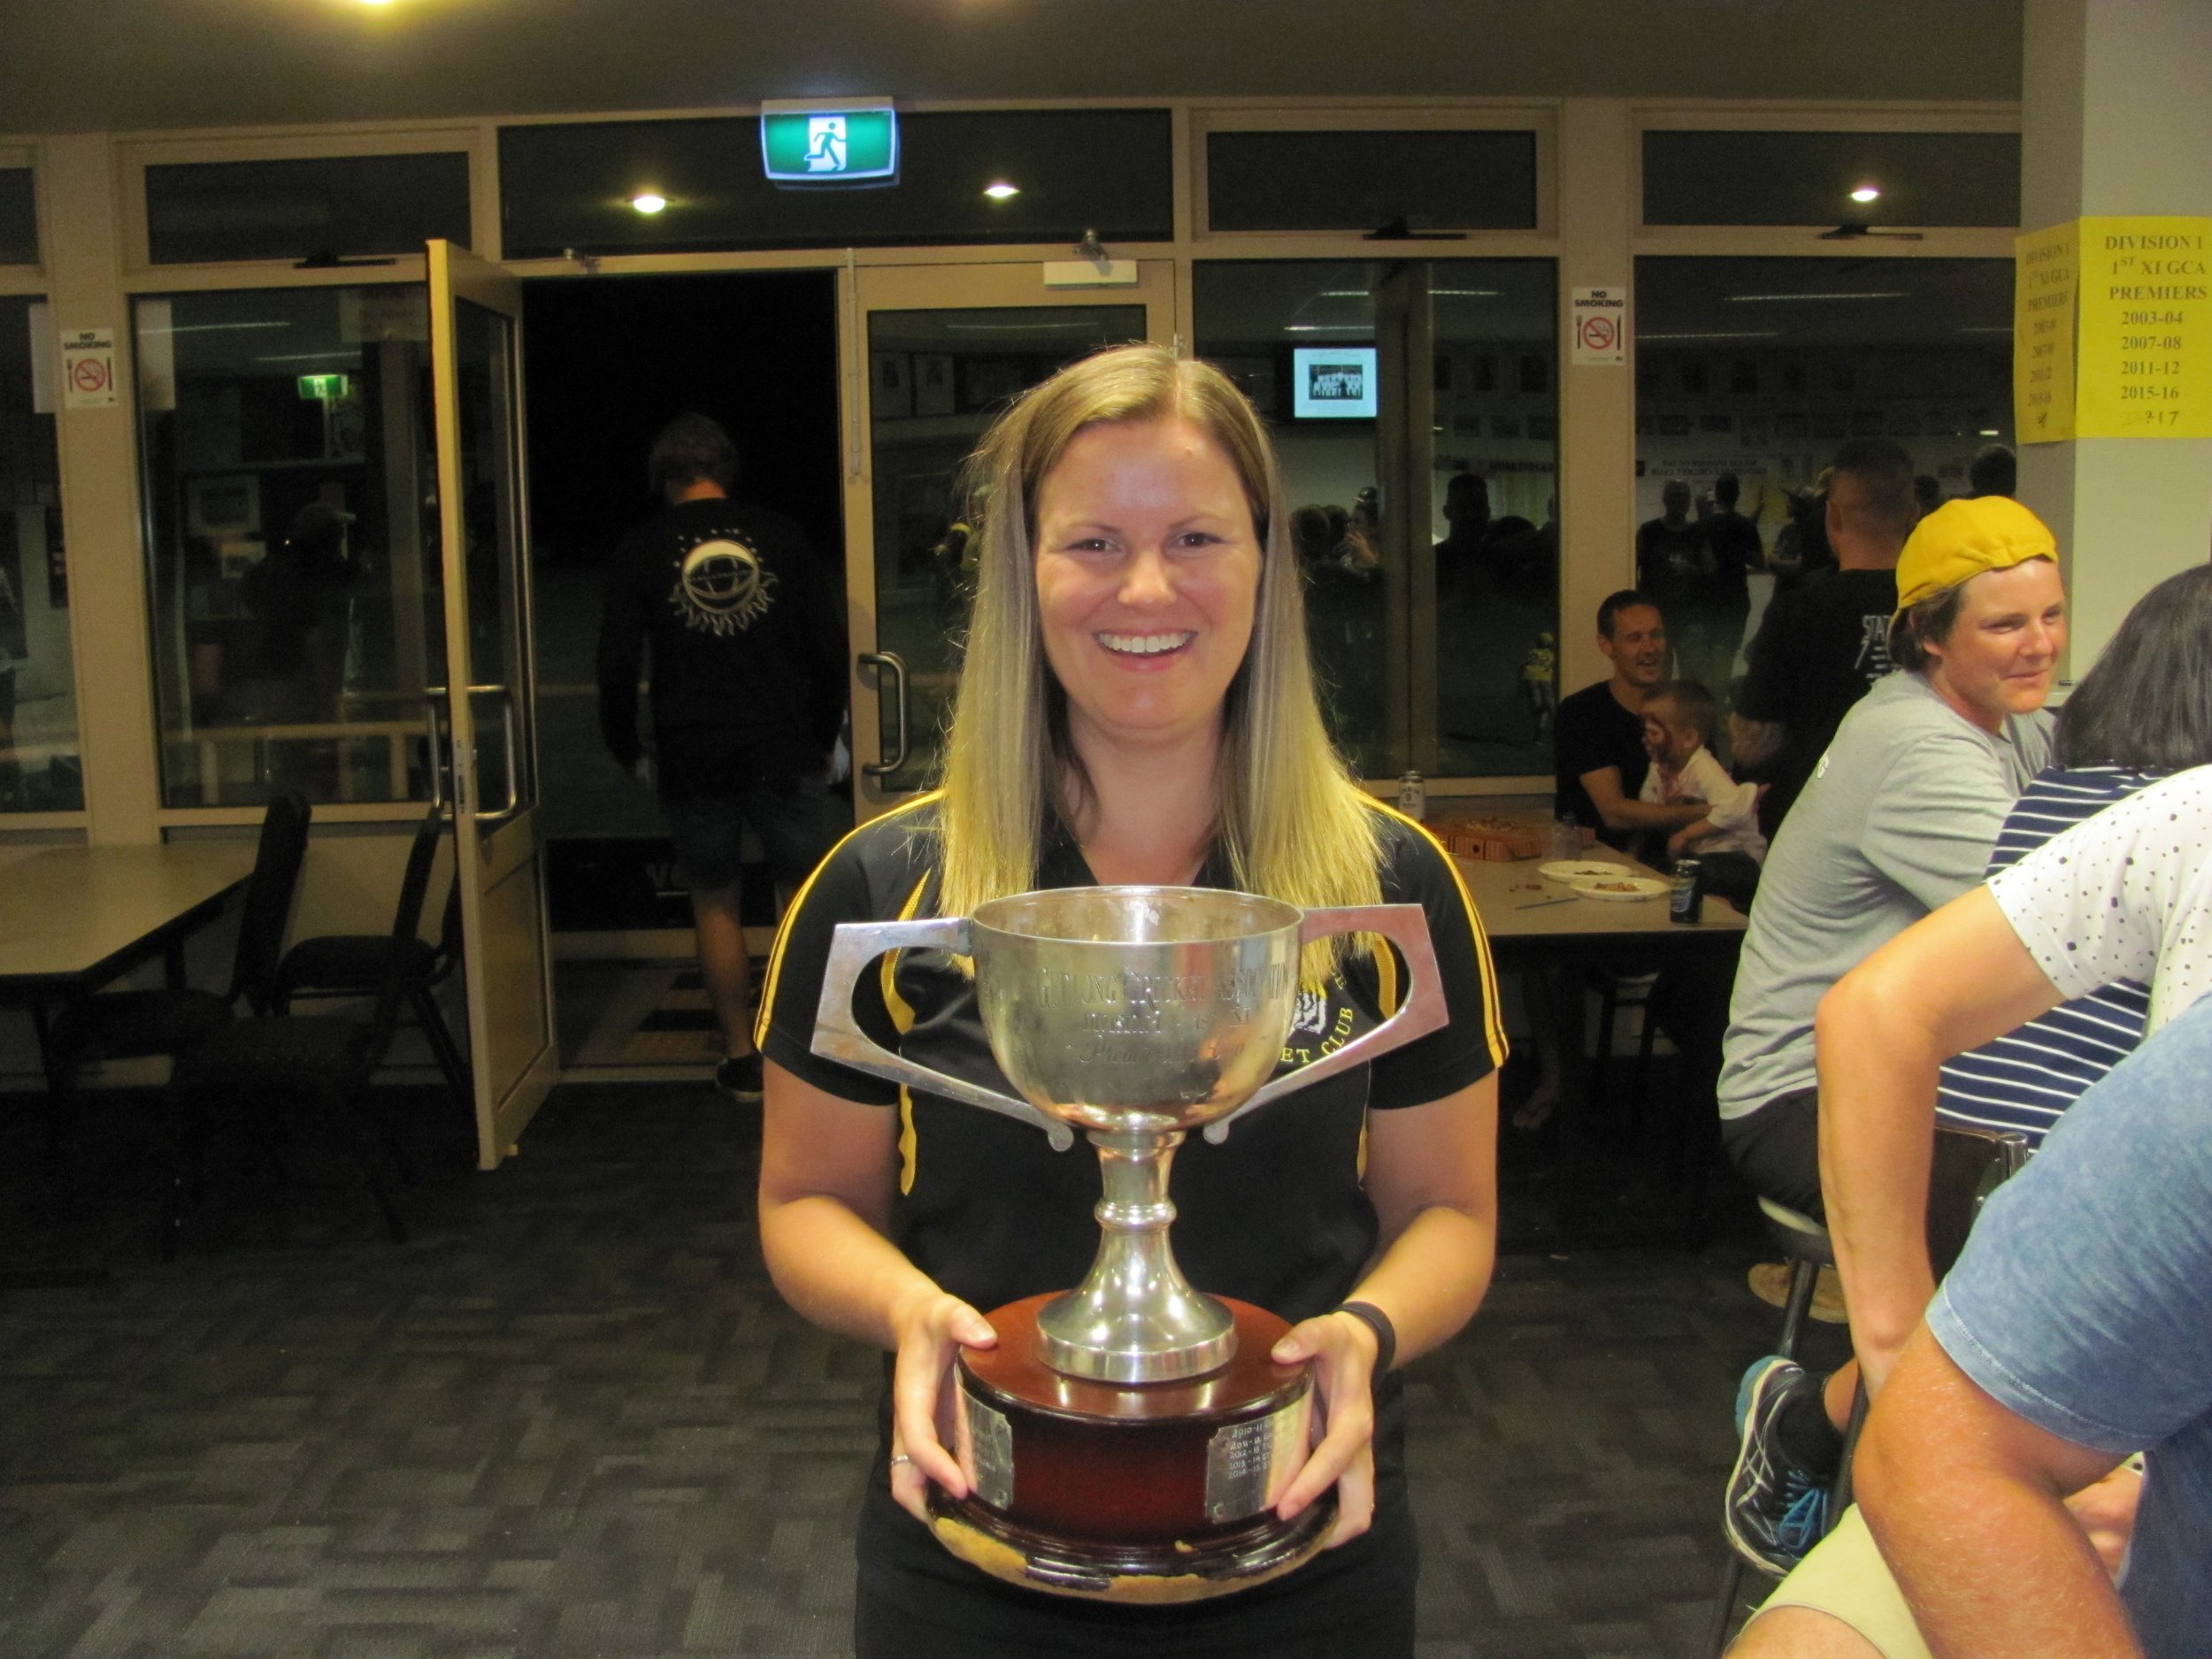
(1135, 1318)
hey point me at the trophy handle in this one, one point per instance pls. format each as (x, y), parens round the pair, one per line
(838, 1035)
(1422, 1012)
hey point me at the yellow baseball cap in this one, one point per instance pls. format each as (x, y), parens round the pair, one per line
(1961, 539)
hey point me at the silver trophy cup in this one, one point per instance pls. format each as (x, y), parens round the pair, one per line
(1135, 1014)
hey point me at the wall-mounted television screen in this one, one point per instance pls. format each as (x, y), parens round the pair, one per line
(1333, 382)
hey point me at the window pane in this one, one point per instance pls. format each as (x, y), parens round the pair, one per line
(1807, 178)
(293, 536)
(1417, 669)
(1763, 368)
(333, 205)
(38, 768)
(566, 188)
(1340, 181)
(18, 217)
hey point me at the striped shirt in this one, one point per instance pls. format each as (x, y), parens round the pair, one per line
(2024, 1079)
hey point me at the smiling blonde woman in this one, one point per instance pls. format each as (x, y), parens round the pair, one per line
(1136, 707)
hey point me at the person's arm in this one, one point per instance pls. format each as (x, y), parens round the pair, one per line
(826, 1171)
(1431, 1173)
(1949, 983)
(1619, 813)
(621, 657)
(1967, 1501)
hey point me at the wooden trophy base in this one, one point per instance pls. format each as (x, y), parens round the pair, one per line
(1137, 1493)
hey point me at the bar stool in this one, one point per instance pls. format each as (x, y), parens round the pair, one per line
(1805, 1245)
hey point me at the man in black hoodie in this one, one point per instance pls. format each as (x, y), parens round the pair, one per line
(748, 688)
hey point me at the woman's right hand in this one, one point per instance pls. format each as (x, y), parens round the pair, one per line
(931, 1331)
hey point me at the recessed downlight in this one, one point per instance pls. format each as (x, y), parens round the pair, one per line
(1867, 193)
(999, 189)
(649, 201)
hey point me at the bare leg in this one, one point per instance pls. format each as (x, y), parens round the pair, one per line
(724, 965)
(1800, 1632)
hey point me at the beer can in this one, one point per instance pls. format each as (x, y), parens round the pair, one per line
(1685, 900)
(1413, 795)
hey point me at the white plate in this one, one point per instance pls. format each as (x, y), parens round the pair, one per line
(1645, 887)
(1579, 870)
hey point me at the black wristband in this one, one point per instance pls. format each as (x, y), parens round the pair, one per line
(1385, 1333)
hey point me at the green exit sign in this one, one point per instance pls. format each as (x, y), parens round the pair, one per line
(808, 146)
(326, 386)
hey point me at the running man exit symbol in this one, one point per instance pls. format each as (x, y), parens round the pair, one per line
(826, 144)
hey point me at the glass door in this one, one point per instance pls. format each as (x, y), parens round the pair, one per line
(484, 763)
(934, 354)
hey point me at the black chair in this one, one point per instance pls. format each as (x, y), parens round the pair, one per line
(355, 964)
(135, 1025)
(320, 1066)
(1966, 1165)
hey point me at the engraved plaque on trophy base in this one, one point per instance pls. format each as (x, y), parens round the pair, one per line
(1139, 1491)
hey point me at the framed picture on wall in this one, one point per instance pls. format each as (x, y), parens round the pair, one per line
(890, 384)
(932, 383)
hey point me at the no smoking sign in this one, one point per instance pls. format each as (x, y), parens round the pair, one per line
(1601, 326)
(88, 368)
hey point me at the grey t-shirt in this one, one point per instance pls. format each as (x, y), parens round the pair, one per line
(1899, 819)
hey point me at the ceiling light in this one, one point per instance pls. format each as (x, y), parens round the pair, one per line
(1866, 192)
(1771, 333)
(1328, 328)
(1746, 299)
(1986, 432)
(649, 201)
(1466, 294)
(998, 190)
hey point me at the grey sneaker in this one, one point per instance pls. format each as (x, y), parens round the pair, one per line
(740, 1079)
(1777, 1509)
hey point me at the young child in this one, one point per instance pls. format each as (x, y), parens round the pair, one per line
(1679, 719)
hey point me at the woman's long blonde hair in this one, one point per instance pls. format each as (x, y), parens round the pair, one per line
(1294, 823)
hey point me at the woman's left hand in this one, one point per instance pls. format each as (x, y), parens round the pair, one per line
(1343, 1349)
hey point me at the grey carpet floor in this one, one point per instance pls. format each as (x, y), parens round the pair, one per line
(571, 1416)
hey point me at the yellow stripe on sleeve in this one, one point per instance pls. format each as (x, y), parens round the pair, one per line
(1492, 1012)
(902, 1020)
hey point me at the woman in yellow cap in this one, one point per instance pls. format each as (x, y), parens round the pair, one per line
(1899, 819)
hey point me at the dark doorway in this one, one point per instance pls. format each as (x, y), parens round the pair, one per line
(610, 361)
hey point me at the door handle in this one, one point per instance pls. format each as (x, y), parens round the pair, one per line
(510, 733)
(434, 702)
(882, 661)
(434, 740)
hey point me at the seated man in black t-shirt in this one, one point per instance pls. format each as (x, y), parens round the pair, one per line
(1598, 733)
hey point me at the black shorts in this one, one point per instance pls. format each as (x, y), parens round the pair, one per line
(1777, 1149)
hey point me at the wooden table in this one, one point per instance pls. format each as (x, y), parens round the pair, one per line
(71, 918)
(1518, 904)
(1530, 931)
